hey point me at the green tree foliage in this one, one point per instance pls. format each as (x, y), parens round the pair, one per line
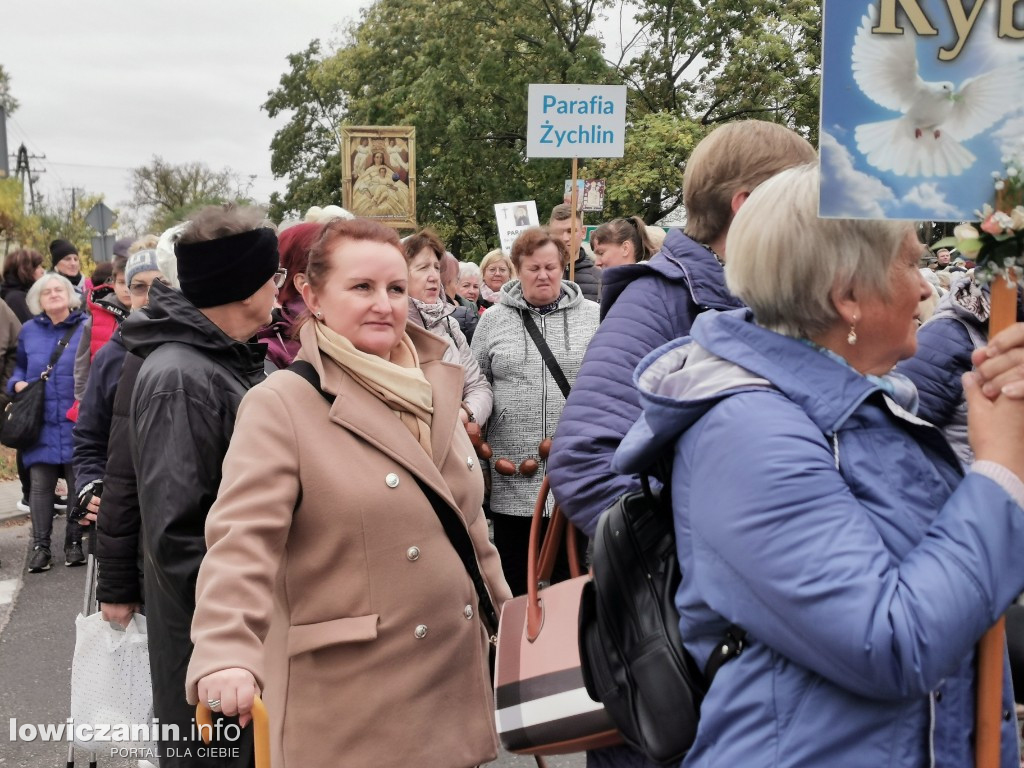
(16, 227)
(163, 194)
(61, 218)
(458, 72)
(308, 149)
(695, 63)
(7, 100)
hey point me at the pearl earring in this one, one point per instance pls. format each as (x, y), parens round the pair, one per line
(851, 337)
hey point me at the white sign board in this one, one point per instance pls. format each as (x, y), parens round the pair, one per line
(576, 120)
(513, 218)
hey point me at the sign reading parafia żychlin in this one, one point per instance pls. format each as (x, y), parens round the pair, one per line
(921, 101)
(576, 120)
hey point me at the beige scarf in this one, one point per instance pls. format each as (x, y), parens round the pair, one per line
(399, 384)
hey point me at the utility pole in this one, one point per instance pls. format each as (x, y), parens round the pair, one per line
(74, 203)
(24, 174)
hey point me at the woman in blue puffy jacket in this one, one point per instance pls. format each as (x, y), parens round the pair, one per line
(55, 304)
(816, 512)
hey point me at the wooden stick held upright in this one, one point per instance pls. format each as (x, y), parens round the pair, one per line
(574, 246)
(991, 646)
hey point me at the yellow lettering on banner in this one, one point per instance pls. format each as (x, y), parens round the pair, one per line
(887, 18)
(963, 23)
(1006, 26)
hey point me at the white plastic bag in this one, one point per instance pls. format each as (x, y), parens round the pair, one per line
(111, 690)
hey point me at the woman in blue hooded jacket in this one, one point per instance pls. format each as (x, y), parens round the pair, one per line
(814, 510)
(55, 303)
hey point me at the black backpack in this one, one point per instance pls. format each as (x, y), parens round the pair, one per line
(631, 651)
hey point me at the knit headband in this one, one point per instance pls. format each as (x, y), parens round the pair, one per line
(228, 269)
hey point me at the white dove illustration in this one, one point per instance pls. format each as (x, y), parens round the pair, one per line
(937, 118)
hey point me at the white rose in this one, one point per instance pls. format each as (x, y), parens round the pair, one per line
(965, 232)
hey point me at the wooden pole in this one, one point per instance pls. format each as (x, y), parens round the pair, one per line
(990, 647)
(574, 246)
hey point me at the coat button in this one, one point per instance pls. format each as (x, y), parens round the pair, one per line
(468, 612)
(391, 480)
(469, 462)
(413, 553)
(1007, 715)
(421, 631)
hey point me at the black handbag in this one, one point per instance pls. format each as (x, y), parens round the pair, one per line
(23, 416)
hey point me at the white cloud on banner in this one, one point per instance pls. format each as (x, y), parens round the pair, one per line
(928, 197)
(852, 193)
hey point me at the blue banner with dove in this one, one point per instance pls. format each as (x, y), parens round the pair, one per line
(922, 103)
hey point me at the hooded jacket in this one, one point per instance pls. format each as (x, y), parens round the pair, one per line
(38, 339)
(92, 430)
(817, 513)
(643, 307)
(14, 292)
(958, 326)
(183, 413)
(527, 401)
(10, 328)
(118, 544)
(587, 275)
(476, 390)
(107, 313)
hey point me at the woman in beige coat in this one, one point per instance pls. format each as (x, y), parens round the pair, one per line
(330, 584)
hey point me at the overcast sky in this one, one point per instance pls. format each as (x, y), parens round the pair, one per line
(105, 85)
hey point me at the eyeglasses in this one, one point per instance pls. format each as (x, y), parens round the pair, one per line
(279, 277)
(142, 289)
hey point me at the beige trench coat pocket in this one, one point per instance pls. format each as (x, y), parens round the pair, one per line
(310, 637)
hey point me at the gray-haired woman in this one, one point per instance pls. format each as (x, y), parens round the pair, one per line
(815, 512)
(57, 325)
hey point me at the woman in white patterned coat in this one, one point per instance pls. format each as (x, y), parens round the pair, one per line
(527, 400)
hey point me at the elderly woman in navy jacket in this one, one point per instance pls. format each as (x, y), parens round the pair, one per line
(814, 511)
(55, 304)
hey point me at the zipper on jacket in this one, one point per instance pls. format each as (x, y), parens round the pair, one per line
(544, 382)
(835, 447)
(931, 730)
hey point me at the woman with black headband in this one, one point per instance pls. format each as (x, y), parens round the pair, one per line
(198, 363)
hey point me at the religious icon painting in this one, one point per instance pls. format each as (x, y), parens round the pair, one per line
(379, 173)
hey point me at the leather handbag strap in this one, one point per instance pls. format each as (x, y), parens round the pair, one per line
(545, 352)
(540, 557)
(454, 527)
(61, 346)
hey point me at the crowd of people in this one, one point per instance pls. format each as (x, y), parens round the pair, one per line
(311, 455)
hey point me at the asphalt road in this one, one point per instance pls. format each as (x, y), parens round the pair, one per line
(37, 641)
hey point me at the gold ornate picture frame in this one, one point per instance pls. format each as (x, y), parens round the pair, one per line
(378, 174)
